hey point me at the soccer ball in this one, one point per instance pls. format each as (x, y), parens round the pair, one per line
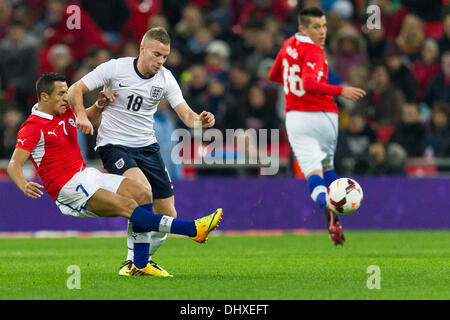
(344, 196)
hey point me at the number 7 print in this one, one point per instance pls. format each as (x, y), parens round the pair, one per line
(64, 126)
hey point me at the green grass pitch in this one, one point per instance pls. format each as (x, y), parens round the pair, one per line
(412, 264)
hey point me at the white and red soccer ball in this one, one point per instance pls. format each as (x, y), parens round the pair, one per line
(344, 196)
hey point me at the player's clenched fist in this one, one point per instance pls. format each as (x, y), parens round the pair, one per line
(353, 93)
(32, 190)
(105, 98)
(207, 119)
(84, 125)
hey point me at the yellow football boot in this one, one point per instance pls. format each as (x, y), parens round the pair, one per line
(151, 269)
(207, 224)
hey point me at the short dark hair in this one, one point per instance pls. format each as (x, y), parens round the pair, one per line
(305, 15)
(46, 83)
(157, 33)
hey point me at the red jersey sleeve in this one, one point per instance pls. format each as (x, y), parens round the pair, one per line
(276, 71)
(313, 61)
(28, 136)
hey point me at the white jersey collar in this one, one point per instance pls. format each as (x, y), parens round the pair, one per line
(303, 38)
(137, 71)
(41, 114)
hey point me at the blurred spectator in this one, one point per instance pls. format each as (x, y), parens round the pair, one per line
(60, 61)
(216, 100)
(240, 80)
(270, 88)
(437, 141)
(427, 66)
(175, 62)
(348, 49)
(375, 43)
(109, 15)
(392, 15)
(263, 48)
(358, 76)
(194, 86)
(444, 41)
(130, 49)
(5, 17)
(343, 8)
(190, 23)
(50, 16)
(258, 113)
(383, 102)
(353, 145)
(79, 39)
(410, 133)
(158, 20)
(164, 126)
(216, 60)
(9, 126)
(198, 43)
(401, 76)
(429, 10)
(439, 87)
(387, 159)
(257, 10)
(137, 23)
(411, 36)
(18, 65)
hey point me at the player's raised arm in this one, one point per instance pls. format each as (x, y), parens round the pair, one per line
(76, 92)
(189, 117)
(15, 172)
(94, 113)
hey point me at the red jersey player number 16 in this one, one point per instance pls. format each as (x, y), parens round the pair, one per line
(311, 113)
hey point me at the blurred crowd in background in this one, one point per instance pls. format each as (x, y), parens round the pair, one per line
(221, 53)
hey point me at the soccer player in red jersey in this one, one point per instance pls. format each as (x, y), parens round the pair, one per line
(49, 138)
(311, 113)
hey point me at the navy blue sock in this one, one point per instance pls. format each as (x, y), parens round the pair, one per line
(148, 206)
(141, 254)
(144, 220)
(329, 176)
(186, 228)
(317, 189)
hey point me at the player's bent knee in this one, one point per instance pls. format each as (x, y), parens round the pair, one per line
(172, 213)
(128, 206)
(144, 196)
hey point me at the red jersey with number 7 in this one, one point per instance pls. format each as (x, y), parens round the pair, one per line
(303, 70)
(52, 141)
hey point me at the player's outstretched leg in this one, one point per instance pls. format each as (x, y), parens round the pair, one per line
(139, 245)
(334, 225)
(317, 187)
(203, 228)
(334, 228)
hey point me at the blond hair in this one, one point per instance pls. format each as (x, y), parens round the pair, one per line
(157, 33)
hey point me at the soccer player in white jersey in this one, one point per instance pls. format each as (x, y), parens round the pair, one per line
(126, 140)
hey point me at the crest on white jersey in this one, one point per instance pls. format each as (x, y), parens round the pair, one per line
(156, 93)
(120, 163)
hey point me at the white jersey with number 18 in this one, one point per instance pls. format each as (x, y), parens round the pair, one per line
(129, 120)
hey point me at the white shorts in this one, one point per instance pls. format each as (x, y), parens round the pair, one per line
(313, 138)
(73, 197)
